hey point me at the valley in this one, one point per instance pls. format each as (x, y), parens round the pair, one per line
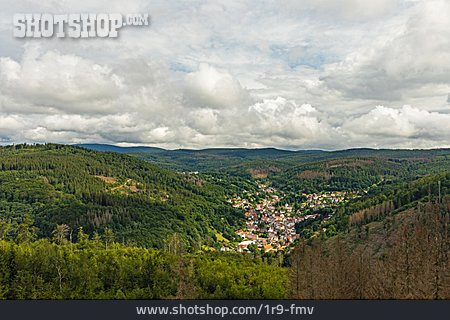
(271, 223)
(222, 223)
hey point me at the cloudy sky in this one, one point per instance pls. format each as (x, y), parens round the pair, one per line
(295, 74)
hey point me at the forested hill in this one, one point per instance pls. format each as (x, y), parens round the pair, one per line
(141, 203)
(390, 241)
(283, 165)
(230, 160)
(112, 148)
(401, 255)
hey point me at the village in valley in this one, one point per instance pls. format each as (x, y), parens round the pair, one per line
(271, 222)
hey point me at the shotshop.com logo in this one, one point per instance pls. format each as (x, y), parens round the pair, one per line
(74, 25)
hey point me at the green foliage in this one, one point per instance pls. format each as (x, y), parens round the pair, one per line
(356, 173)
(81, 224)
(138, 201)
(87, 270)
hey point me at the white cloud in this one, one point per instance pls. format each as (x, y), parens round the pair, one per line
(401, 64)
(408, 122)
(66, 83)
(282, 118)
(214, 88)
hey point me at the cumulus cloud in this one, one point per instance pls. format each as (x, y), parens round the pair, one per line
(286, 119)
(67, 83)
(214, 88)
(412, 57)
(383, 125)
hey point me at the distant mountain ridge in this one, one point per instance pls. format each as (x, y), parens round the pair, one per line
(235, 151)
(118, 149)
(242, 161)
(255, 151)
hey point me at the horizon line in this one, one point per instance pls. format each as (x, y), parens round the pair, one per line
(224, 148)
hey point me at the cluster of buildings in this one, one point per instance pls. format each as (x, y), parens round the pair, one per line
(271, 226)
(325, 199)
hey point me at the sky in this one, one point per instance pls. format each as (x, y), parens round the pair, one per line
(289, 74)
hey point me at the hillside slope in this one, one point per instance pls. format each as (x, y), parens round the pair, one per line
(402, 255)
(324, 169)
(140, 202)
